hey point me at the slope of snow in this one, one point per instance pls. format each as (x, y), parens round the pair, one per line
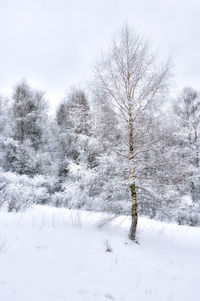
(52, 254)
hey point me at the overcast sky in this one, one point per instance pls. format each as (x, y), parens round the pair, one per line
(53, 43)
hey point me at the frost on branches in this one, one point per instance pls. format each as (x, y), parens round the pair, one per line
(123, 146)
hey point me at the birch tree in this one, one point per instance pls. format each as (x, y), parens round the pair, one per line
(131, 76)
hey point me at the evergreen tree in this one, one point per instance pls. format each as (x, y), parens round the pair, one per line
(73, 121)
(28, 115)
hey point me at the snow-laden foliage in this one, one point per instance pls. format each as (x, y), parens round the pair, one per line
(75, 160)
(26, 122)
(17, 192)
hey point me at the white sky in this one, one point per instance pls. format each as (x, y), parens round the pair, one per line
(53, 43)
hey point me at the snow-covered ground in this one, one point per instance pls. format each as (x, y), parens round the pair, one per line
(51, 254)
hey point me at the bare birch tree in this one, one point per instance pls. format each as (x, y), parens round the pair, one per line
(130, 75)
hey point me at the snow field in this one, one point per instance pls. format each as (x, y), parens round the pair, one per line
(52, 254)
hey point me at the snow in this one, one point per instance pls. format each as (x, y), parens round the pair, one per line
(52, 254)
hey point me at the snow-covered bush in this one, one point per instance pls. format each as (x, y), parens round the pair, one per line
(189, 212)
(20, 191)
(60, 199)
(16, 197)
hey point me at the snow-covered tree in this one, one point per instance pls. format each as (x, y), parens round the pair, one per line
(27, 121)
(131, 76)
(187, 109)
(4, 124)
(73, 121)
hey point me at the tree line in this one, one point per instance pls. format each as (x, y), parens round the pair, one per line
(123, 146)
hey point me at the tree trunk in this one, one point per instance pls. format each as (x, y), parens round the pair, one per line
(134, 213)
